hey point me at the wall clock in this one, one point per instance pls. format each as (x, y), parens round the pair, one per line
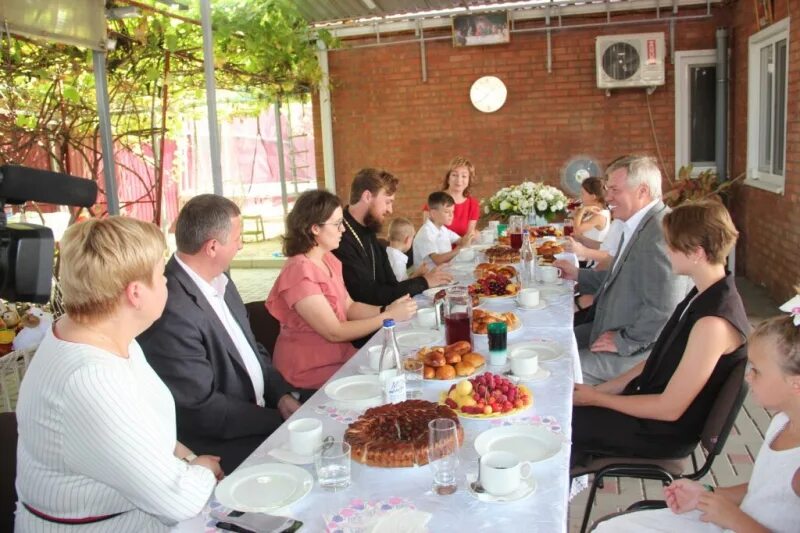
(488, 94)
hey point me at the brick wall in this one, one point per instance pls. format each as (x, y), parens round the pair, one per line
(385, 115)
(769, 248)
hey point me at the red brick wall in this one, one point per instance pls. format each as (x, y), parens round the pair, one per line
(384, 114)
(769, 248)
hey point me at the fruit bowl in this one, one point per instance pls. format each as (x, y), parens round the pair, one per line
(487, 396)
(494, 285)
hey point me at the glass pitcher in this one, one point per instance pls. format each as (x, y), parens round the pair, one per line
(457, 315)
(515, 225)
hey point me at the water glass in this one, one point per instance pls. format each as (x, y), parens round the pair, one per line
(498, 343)
(332, 462)
(443, 454)
(414, 370)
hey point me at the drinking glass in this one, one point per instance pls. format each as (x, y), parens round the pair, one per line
(515, 224)
(498, 342)
(414, 370)
(443, 454)
(332, 462)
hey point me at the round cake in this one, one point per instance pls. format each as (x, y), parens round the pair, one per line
(396, 435)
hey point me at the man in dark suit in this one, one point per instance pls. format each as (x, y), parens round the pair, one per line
(635, 297)
(228, 396)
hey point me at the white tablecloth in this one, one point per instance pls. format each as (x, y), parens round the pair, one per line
(545, 510)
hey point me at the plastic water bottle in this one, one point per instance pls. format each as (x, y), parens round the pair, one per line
(390, 374)
(527, 259)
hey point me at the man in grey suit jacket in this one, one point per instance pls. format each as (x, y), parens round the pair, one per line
(635, 297)
(228, 397)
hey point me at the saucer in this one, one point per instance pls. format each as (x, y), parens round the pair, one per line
(366, 370)
(540, 374)
(526, 487)
(288, 456)
(557, 282)
(541, 305)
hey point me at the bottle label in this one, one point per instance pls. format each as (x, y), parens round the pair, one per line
(394, 388)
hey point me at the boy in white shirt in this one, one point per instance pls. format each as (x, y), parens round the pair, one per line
(434, 241)
(401, 235)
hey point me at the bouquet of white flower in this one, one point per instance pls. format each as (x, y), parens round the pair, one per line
(527, 198)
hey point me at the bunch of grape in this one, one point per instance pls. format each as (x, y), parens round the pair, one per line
(493, 285)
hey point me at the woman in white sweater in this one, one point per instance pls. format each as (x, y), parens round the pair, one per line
(97, 447)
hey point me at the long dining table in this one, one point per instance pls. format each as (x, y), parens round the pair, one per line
(544, 510)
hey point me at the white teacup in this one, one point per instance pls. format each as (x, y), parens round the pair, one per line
(426, 317)
(528, 297)
(487, 236)
(374, 356)
(549, 274)
(305, 435)
(524, 361)
(501, 472)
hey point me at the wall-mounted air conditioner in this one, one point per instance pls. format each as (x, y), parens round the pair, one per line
(635, 60)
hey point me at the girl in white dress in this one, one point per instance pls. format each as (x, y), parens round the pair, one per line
(771, 501)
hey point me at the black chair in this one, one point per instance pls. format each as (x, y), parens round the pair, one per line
(265, 326)
(713, 437)
(8, 469)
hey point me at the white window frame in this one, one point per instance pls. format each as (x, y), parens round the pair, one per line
(755, 177)
(684, 61)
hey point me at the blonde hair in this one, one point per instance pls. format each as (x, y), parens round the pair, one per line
(456, 162)
(786, 335)
(706, 224)
(100, 257)
(399, 229)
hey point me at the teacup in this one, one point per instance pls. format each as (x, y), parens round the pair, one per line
(374, 356)
(528, 297)
(502, 472)
(524, 361)
(305, 435)
(426, 317)
(549, 274)
(488, 235)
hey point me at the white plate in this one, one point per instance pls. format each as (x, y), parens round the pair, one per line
(416, 338)
(547, 350)
(540, 374)
(430, 293)
(528, 443)
(264, 488)
(541, 305)
(526, 487)
(504, 298)
(355, 390)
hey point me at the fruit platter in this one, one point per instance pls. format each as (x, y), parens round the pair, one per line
(494, 285)
(487, 396)
(450, 362)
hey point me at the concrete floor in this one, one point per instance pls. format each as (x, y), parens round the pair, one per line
(732, 467)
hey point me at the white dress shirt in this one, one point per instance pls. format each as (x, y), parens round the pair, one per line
(432, 240)
(215, 294)
(629, 228)
(398, 260)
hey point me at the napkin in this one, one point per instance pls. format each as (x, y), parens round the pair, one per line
(400, 521)
(391, 515)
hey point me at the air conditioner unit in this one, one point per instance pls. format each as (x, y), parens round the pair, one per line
(635, 60)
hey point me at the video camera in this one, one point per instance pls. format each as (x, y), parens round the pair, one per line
(26, 250)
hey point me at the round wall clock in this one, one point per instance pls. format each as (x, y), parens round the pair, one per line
(488, 94)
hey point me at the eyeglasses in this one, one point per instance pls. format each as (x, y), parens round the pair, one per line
(339, 224)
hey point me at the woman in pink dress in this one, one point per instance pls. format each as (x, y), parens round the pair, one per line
(457, 182)
(318, 318)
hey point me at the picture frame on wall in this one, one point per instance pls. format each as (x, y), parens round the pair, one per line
(481, 29)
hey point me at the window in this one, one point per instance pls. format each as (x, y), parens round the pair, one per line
(695, 109)
(768, 64)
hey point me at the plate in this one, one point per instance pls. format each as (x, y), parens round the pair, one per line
(456, 379)
(540, 374)
(526, 487)
(528, 443)
(513, 412)
(264, 488)
(418, 337)
(367, 370)
(541, 305)
(547, 350)
(355, 390)
(501, 298)
(430, 293)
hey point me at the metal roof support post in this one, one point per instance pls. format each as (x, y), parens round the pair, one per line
(279, 146)
(106, 139)
(549, 43)
(211, 97)
(423, 59)
(721, 128)
(326, 118)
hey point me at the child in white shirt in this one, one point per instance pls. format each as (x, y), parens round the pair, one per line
(434, 241)
(401, 235)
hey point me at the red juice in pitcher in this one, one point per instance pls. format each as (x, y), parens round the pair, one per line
(456, 328)
(516, 241)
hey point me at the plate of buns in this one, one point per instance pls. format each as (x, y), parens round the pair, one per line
(451, 362)
(481, 318)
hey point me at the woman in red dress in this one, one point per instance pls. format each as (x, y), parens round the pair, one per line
(457, 183)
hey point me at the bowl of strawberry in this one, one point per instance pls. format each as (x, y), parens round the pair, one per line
(487, 396)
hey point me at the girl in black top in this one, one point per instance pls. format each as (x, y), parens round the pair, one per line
(657, 408)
